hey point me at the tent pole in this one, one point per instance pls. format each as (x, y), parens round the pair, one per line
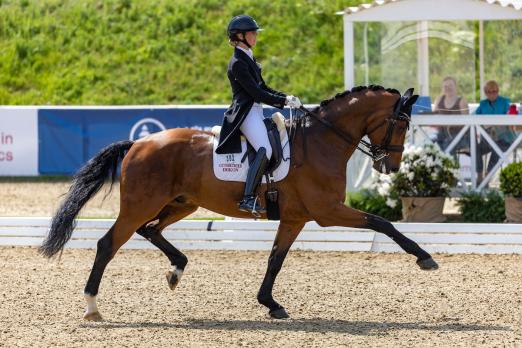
(481, 58)
(348, 53)
(423, 61)
(366, 59)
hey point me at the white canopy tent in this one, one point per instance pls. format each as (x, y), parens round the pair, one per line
(423, 11)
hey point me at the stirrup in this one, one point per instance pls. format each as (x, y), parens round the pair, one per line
(253, 208)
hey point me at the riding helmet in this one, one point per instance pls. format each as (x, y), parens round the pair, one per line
(241, 24)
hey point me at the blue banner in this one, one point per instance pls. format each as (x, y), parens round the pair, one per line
(69, 138)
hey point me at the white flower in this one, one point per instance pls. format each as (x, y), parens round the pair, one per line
(392, 203)
(410, 176)
(384, 189)
(405, 168)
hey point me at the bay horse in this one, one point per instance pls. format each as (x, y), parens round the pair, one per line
(168, 175)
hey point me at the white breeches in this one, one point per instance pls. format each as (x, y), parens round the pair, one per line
(254, 130)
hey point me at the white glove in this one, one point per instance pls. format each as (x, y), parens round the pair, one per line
(293, 102)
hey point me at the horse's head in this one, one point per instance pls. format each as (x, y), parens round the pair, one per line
(387, 129)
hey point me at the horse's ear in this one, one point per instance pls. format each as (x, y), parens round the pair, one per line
(411, 100)
(408, 93)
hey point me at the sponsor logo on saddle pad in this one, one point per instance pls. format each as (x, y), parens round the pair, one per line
(228, 167)
(144, 127)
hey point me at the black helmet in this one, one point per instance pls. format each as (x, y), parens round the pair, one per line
(241, 24)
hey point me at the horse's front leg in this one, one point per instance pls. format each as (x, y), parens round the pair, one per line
(342, 215)
(286, 235)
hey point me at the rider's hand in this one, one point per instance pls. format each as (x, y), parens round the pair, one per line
(293, 102)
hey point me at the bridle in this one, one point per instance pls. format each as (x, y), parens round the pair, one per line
(375, 152)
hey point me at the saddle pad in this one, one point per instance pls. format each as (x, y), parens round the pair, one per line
(228, 167)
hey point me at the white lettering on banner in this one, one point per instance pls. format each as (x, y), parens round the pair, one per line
(18, 141)
(206, 129)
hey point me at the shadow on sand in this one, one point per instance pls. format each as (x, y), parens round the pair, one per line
(368, 328)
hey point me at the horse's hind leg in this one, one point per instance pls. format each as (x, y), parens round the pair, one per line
(152, 232)
(124, 227)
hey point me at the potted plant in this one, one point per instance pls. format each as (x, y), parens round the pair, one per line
(482, 206)
(423, 182)
(511, 186)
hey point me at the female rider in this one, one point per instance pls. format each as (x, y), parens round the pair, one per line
(245, 114)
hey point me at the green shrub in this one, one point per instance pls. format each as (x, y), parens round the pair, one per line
(372, 202)
(511, 179)
(479, 207)
(162, 52)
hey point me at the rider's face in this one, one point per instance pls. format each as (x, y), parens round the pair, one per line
(251, 38)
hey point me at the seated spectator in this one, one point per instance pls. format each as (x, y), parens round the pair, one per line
(450, 103)
(494, 104)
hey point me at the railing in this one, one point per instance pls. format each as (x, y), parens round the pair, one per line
(259, 235)
(423, 131)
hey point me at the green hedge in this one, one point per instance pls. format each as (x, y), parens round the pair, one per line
(161, 52)
(175, 51)
(511, 179)
(486, 207)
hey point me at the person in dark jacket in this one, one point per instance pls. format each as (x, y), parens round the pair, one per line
(245, 114)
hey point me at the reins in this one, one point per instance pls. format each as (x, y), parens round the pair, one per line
(375, 152)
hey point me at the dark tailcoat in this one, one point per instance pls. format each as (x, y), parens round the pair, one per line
(248, 87)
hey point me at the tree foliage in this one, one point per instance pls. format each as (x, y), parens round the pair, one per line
(161, 52)
(176, 51)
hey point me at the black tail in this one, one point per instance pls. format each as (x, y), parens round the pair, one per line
(85, 184)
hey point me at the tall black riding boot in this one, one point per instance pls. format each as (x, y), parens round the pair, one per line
(250, 201)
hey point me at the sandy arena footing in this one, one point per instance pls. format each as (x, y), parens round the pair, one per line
(333, 298)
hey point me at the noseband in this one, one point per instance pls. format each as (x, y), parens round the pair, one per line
(375, 152)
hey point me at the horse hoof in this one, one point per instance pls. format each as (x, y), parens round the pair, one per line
(279, 314)
(94, 316)
(172, 279)
(428, 264)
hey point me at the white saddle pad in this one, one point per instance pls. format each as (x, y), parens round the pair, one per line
(228, 167)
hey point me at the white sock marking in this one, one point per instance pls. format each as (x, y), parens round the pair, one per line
(91, 304)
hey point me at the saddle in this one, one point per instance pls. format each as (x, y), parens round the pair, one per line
(230, 167)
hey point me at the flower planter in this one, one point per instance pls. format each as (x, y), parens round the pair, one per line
(513, 209)
(423, 209)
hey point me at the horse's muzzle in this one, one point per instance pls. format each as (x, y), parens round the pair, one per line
(384, 167)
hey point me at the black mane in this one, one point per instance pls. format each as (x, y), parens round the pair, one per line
(357, 89)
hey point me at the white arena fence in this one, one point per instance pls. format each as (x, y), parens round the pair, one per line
(259, 235)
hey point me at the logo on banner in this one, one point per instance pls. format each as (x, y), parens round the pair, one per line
(145, 127)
